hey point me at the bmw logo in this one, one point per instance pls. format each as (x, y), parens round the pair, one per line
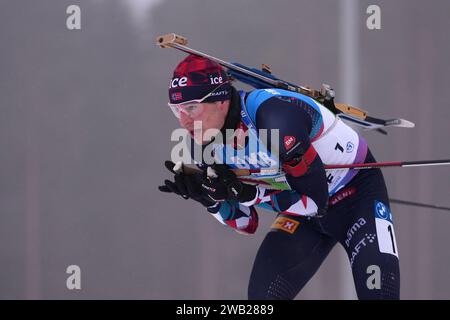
(381, 210)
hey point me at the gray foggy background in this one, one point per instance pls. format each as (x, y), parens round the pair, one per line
(84, 132)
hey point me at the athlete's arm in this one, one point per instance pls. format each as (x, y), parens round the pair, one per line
(237, 216)
(304, 168)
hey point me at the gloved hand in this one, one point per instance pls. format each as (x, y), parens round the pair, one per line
(221, 183)
(187, 186)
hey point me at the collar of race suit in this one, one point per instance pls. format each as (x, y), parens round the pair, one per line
(234, 113)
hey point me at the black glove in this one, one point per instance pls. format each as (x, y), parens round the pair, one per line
(226, 186)
(189, 187)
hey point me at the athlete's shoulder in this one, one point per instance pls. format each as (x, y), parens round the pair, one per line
(261, 95)
(274, 107)
(256, 98)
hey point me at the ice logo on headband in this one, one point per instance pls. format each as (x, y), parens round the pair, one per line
(216, 80)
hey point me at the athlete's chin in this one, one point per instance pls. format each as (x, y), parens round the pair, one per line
(200, 138)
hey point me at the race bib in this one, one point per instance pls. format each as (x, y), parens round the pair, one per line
(385, 229)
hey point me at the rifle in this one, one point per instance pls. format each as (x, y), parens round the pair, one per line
(264, 79)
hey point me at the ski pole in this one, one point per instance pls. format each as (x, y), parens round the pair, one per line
(418, 204)
(403, 164)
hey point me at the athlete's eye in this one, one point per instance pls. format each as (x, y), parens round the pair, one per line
(190, 108)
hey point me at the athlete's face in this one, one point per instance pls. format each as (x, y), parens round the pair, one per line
(206, 116)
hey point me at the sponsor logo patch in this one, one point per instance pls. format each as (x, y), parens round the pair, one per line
(178, 82)
(349, 147)
(368, 239)
(219, 93)
(289, 142)
(355, 227)
(341, 195)
(285, 224)
(382, 211)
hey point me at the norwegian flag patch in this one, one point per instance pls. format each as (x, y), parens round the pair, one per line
(177, 96)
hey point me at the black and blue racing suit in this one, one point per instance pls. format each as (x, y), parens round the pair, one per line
(323, 207)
